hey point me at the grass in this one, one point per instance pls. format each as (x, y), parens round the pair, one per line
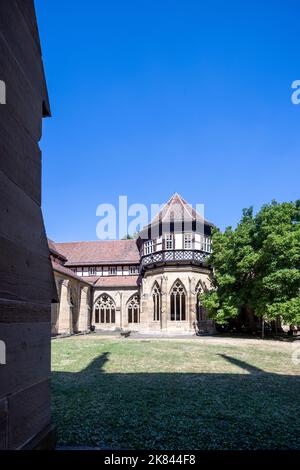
(175, 394)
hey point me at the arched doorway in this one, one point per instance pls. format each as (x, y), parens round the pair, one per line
(201, 314)
(204, 324)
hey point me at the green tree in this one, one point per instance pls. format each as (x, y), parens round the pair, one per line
(256, 267)
(133, 236)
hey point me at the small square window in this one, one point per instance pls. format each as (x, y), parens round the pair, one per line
(188, 241)
(112, 270)
(133, 270)
(169, 241)
(206, 244)
(92, 271)
(149, 247)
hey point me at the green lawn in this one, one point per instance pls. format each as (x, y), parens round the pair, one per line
(175, 394)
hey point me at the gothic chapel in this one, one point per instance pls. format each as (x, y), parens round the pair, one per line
(148, 285)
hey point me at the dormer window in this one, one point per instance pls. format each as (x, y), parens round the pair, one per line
(169, 241)
(148, 247)
(188, 241)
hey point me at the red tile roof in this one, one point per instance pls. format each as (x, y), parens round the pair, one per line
(54, 251)
(116, 281)
(100, 252)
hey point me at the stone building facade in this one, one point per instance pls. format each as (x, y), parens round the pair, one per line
(27, 285)
(151, 284)
(72, 313)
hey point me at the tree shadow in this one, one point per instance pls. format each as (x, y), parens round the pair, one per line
(243, 365)
(252, 410)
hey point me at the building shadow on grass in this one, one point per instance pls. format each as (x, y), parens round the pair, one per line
(252, 409)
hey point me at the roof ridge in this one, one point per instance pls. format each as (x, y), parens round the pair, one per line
(184, 204)
(95, 241)
(168, 205)
(189, 207)
(185, 208)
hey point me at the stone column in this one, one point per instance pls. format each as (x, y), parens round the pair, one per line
(164, 303)
(145, 317)
(84, 310)
(92, 313)
(192, 303)
(119, 310)
(54, 318)
(55, 309)
(65, 310)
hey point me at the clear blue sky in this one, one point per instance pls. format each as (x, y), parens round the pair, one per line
(153, 97)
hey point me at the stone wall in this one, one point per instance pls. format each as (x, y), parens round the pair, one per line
(120, 298)
(72, 312)
(165, 278)
(26, 279)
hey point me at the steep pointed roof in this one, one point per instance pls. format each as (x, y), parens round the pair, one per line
(177, 209)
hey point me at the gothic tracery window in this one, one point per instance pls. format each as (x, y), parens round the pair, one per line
(178, 302)
(105, 310)
(200, 310)
(156, 296)
(133, 307)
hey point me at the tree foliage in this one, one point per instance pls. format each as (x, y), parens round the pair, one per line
(132, 236)
(256, 267)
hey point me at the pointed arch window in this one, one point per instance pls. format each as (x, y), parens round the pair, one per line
(156, 296)
(200, 310)
(178, 302)
(133, 308)
(105, 310)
